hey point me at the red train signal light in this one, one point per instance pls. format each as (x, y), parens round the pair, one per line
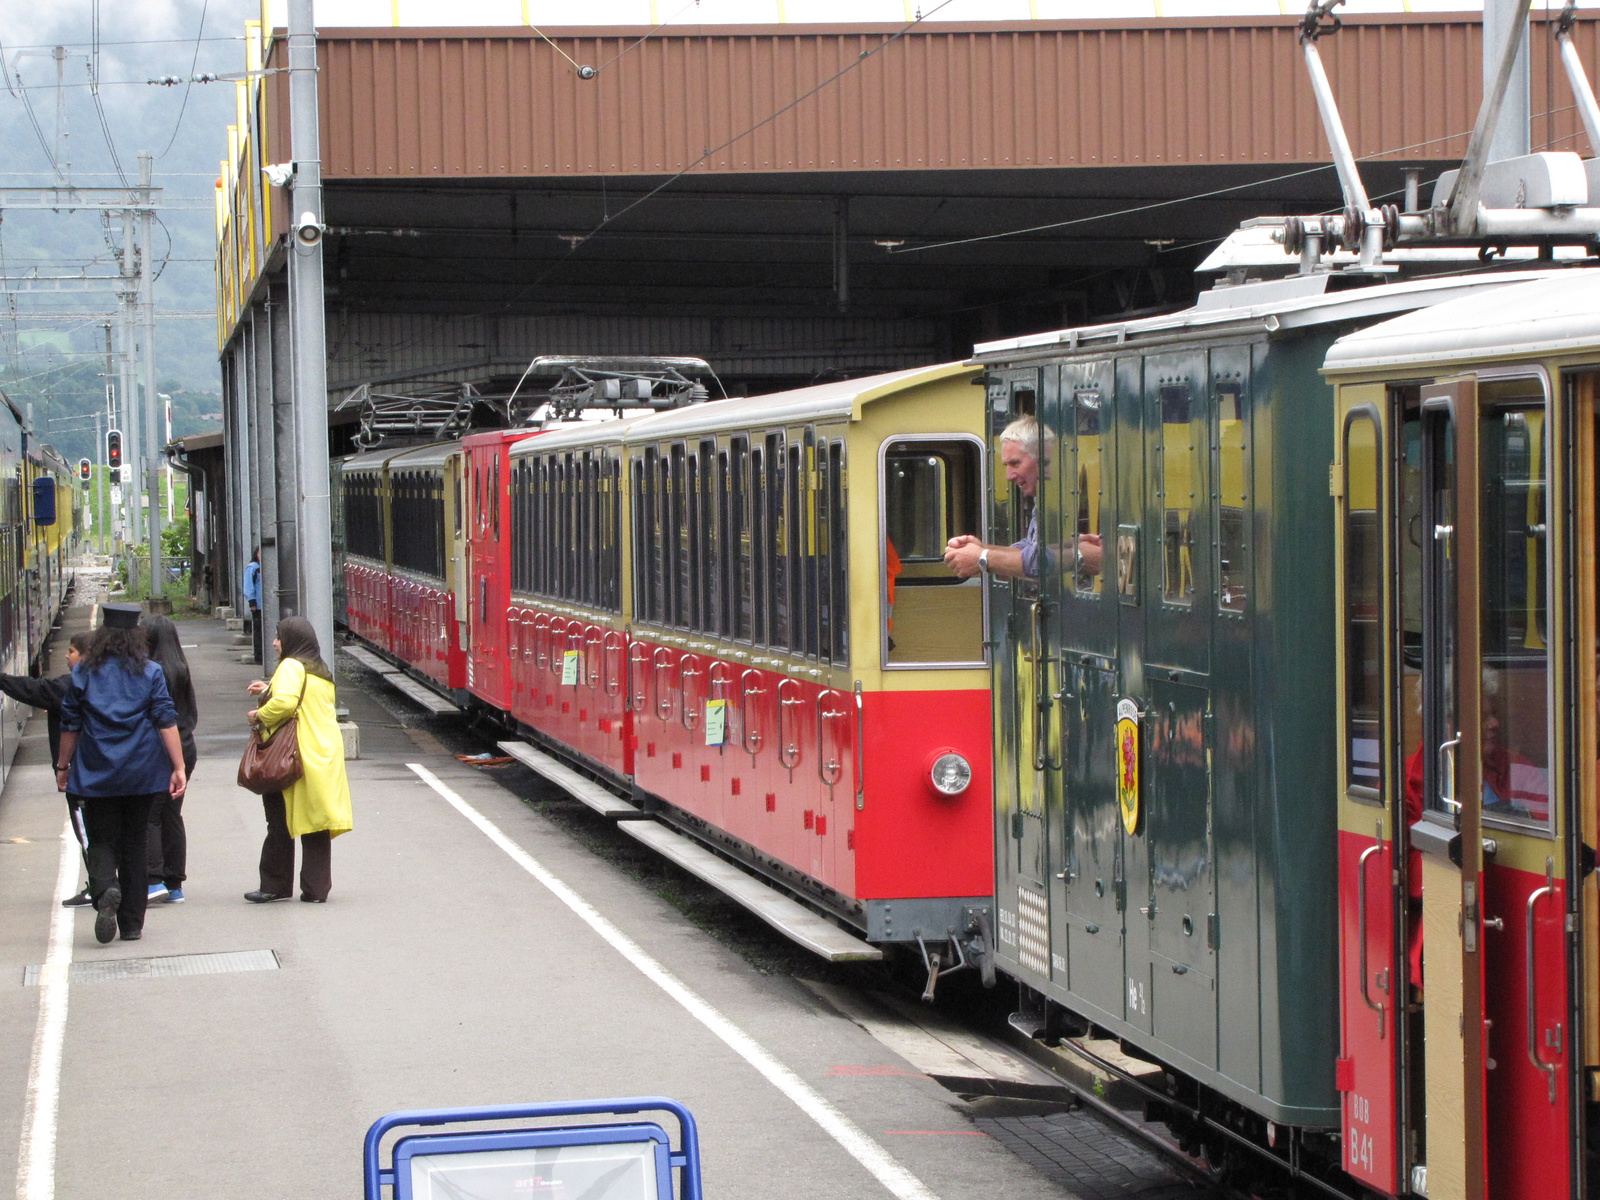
(83, 469)
(114, 449)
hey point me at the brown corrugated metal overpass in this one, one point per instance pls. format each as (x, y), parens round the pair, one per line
(786, 200)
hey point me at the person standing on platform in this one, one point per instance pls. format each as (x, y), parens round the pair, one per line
(316, 807)
(252, 597)
(47, 694)
(168, 843)
(119, 751)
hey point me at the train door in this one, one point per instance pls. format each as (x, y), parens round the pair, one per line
(1088, 876)
(1017, 634)
(1497, 1105)
(1164, 706)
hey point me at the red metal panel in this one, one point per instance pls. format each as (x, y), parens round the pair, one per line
(1530, 1149)
(1368, 1055)
(909, 840)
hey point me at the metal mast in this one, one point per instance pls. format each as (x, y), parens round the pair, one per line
(306, 313)
(152, 402)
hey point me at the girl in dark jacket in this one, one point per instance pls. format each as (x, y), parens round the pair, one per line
(167, 842)
(119, 751)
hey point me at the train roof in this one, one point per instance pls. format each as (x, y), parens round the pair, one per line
(1545, 316)
(1298, 302)
(822, 401)
(568, 434)
(375, 460)
(423, 456)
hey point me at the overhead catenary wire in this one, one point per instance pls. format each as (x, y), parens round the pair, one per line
(194, 62)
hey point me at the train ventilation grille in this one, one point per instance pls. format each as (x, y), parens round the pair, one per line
(1033, 931)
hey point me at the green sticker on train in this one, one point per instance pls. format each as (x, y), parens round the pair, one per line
(569, 668)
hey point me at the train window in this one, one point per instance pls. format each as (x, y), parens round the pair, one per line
(1180, 448)
(641, 541)
(678, 539)
(759, 540)
(932, 489)
(726, 551)
(611, 585)
(1233, 500)
(777, 545)
(840, 554)
(805, 498)
(1513, 560)
(1088, 415)
(821, 587)
(740, 584)
(1363, 594)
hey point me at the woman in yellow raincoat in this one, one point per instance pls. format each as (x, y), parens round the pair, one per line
(316, 807)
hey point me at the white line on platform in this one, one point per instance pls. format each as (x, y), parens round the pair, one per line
(36, 1158)
(899, 1181)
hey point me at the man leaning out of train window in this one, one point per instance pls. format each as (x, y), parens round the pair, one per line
(966, 555)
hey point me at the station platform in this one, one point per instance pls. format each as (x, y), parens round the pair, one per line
(472, 952)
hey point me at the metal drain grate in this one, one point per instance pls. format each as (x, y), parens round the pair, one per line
(228, 961)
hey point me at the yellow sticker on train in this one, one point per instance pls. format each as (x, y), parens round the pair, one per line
(716, 722)
(1128, 764)
(569, 668)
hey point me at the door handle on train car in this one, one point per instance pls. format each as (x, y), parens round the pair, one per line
(592, 636)
(636, 657)
(663, 658)
(605, 660)
(530, 634)
(1548, 1069)
(1361, 925)
(828, 769)
(788, 752)
(752, 734)
(855, 759)
(1447, 778)
(687, 712)
(541, 631)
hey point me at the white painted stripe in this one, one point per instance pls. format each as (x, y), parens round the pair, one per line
(900, 1182)
(36, 1158)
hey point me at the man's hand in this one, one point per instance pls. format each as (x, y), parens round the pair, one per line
(961, 555)
(1091, 553)
(178, 784)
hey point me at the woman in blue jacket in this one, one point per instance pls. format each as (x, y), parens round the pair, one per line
(119, 751)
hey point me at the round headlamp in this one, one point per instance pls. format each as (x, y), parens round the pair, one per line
(951, 774)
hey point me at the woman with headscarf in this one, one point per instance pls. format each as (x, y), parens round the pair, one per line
(316, 807)
(168, 843)
(119, 751)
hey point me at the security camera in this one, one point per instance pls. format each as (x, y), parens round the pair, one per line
(308, 230)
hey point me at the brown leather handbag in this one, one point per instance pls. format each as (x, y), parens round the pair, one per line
(272, 764)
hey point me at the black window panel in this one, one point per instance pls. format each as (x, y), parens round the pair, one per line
(726, 550)
(611, 582)
(760, 543)
(777, 546)
(642, 544)
(694, 541)
(678, 541)
(794, 535)
(737, 548)
(839, 517)
(822, 552)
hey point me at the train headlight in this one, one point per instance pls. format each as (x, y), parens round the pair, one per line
(950, 774)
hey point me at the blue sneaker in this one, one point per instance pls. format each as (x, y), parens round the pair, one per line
(158, 891)
(174, 895)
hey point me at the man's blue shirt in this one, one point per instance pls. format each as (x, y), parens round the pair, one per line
(117, 716)
(252, 583)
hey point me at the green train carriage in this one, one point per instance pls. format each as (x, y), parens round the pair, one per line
(1192, 914)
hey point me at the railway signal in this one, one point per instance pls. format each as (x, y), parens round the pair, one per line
(114, 449)
(83, 469)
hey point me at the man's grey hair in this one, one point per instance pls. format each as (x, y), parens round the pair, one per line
(1024, 431)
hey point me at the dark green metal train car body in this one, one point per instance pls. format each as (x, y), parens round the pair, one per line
(1197, 447)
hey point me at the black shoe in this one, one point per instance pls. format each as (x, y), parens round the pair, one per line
(133, 935)
(265, 897)
(105, 915)
(81, 900)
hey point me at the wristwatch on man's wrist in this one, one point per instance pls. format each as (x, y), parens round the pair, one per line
(983, 559)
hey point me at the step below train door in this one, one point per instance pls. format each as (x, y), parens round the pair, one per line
(1087, 877)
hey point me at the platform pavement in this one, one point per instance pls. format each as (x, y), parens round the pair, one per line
(440, 972)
